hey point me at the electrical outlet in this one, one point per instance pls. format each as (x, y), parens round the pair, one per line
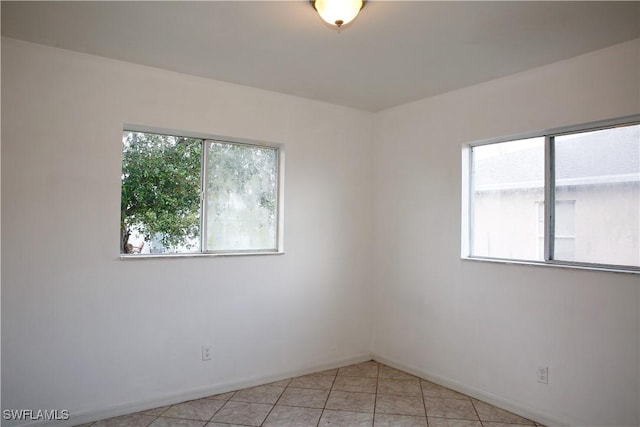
(206, 352)
(543, 375)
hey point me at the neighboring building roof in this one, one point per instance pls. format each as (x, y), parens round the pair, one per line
(601, 157)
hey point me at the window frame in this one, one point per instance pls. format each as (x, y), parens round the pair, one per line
(549, 135)
(540, 218)
(206, 140)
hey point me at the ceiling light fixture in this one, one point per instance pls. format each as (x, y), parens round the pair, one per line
(338, 12)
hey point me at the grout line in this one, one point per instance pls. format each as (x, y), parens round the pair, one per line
(274, 405)
(375, 400)
(328, 395)
(424, 404)
(329, 392)
(153, 420)
(352, 412)
(476, 411)
(219, 409)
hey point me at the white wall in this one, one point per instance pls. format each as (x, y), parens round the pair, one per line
(86, 331)
(485, 327)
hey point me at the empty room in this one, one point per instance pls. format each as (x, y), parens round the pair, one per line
(320, 213)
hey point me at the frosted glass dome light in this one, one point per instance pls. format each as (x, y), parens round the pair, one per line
(338, 12)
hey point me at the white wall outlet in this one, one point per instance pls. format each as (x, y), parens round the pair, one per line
(206, 352)
(543, 374)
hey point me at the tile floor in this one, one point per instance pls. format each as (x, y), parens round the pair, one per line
(366, 394)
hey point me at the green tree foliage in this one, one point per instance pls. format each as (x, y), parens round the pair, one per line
(160, 189)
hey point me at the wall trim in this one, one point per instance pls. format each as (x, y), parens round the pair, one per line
(197, 393)
(509, 405)
(92, 415)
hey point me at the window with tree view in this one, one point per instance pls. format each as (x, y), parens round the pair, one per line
(185, 195)
(569, 197)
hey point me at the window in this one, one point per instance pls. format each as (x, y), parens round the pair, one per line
(564, 243)
(184, 195)
(504, 196)
(570, 197)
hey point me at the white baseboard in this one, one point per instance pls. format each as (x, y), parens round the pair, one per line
(499, 401)
(197, 393)
(173, 398)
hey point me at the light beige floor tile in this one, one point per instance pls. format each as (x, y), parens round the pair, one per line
(349, 401)
(243, 413)
(367, 369)
(155, 411)
(289, 416)
(222, 396)
(201, 409)
(260, 394)
(430, 389)
(174, 422)
(450, 408)
(357, 384)
(223, 425)
(399, 405)
(389, 372)
(389, 420)
(312, 381)
(331, 418)
(409, 387)
(134, 420)
(306, 397)
(488, 412)
(350, 395)
(494, 424)
(450, 422)
(281, 383)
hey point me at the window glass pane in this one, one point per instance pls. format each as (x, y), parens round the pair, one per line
(565, 248)
(241, 197)
(565, 212)
(565, 220)
(160, 198)
(508, 184)
(600, 171)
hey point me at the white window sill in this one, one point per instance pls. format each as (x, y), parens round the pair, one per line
(556, 264)
(197, 255)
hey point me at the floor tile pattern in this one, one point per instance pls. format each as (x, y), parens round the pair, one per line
(367, 394)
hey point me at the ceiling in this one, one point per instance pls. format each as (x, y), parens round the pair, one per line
(394, 52)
